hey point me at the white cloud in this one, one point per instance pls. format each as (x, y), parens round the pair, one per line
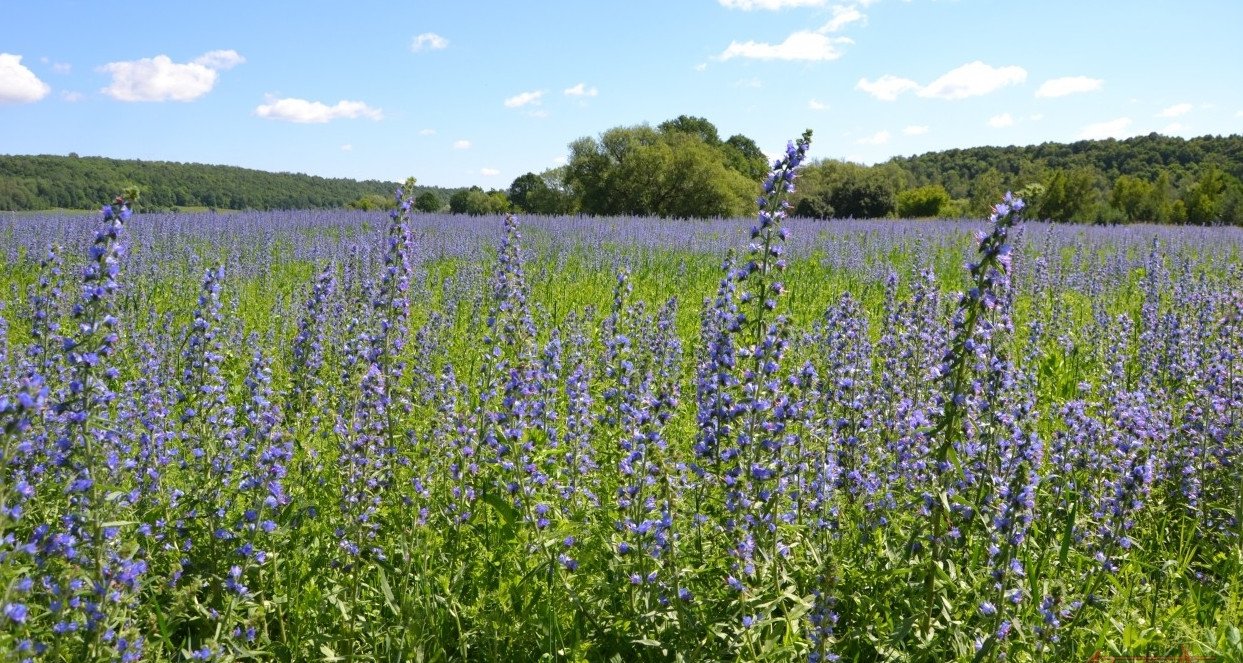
(220, 60)
(972, 80)
(916, 130)
(999, 121)
(887, 87)
(71, 97)
(489, 172)
(427, 132)
(702, 66)
(1176, 110)
(428, 41)
(581, 90)
(303, 111)
(523, 98)
(843, 15)
(878, 138)
(771, 5)
(161, 79)
(1036, 117)
(1060, 87)
(57, 67)
(1174, 128)
(1115, 128)
(817, 105)
(1239, 114)
(753, 82)
(461, 145)
(19, 85)
(802, 45)
(347, 148)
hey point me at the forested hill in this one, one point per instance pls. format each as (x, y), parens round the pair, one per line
(1144, 157)
(46, 182)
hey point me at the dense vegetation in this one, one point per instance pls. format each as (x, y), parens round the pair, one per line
(73, 182)
(334, 436)
(682, 168)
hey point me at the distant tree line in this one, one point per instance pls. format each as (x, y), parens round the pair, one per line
(72, 182)
(683, 168)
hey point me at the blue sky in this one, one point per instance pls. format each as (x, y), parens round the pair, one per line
(480, 92)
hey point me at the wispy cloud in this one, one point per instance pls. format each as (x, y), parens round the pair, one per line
(427, 132)
(817, 105)
(428, 41)
(524, 98)
(1060, 87)
(161, 79)
(878, 138)
(71, 96)
(803, 45)
(303, 111)
(1000, 121)
(19, 85)
(1174, 128)
(970, 80)
(489, 172)
(915, 129)
(843, 15)
(1176, 110)
(1115, 128)
(461, 145)
(347, 148)
(771, 5)
(887, 87)
(220, 60)
(58, 67)
(581, 90)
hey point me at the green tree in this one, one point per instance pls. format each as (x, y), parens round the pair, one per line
(694, 126)
(1205, 197)
(525, 187)
(986, 190)
(744, 156)
(1134, 198)
(477, 202)
(641, 171)
(371, 202)
(841, 189)
(553, 197)
(1069, 196)
(458, 201)
(428, 202)
(930, 200)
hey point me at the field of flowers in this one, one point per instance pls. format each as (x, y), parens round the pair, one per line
(343, 436)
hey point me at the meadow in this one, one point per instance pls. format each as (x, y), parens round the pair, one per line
(347, 436)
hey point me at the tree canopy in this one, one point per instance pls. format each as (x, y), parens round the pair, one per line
(681, 168)
(72, 182)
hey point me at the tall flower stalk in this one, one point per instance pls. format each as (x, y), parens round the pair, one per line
(989, 276)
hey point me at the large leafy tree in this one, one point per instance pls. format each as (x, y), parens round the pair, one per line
(930, 200)
(679, 169)
(843, 189)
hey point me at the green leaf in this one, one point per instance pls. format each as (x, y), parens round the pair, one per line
(387, 590)
(1066, 536)
(503, 508)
